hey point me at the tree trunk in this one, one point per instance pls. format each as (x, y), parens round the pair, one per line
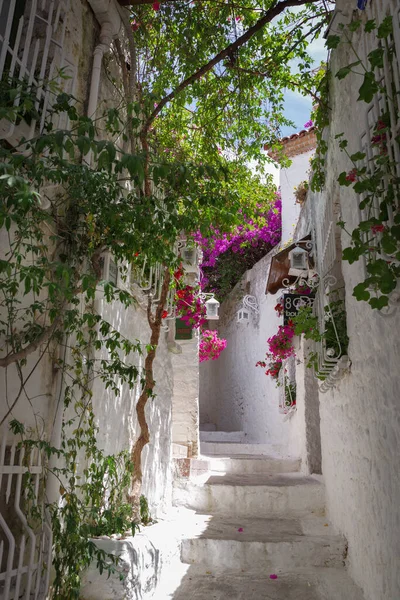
(147, 392)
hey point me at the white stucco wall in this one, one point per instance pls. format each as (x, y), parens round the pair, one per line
(289, 179)
(185, 401)
(116, 415)
(360, 422)
(234, 393)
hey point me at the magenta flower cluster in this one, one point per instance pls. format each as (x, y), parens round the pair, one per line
(266, 229)
(211, 345)
(280, 345)
(190, 307)
(226, 256)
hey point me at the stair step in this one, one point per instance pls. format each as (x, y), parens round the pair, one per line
(195, 583)
(179, 450)
(237, 449)
(222, 436)
(264, 544)
(260, 495)
(253, 464)
(208, 427)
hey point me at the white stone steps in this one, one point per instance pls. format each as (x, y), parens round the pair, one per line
(197, 583)
(262, 544)
(260, 495)
(208, 427)
(222, 436)
(229, 449)
(246, 464)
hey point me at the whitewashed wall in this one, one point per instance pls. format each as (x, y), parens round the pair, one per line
(116, 416)
(289, 179)
(360, 421)
(185, 401)
(234, 393)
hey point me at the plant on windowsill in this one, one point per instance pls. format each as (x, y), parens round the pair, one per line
(301, 191)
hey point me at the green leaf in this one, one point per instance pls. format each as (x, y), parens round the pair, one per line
(343, 72)
(385, 28)
(333, 41)
(379, 303)
(354, 25)
(368, 88)
(389, 245)
(361, 293)
(358, 156)
(83, 144)
(370, 26)
(352, 254)
(387, 283)
(376, 58)
(342, 179)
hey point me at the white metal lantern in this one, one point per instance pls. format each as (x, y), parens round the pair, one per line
(212, 306)
(249, 305)
(188, 254)
(243, 315)
(298, 259)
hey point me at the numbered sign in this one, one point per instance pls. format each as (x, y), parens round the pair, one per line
(182, 330)
(293, 302)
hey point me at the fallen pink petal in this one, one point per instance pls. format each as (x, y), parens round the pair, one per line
(240, 530)
(273, 576)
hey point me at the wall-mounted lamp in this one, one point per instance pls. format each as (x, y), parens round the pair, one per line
(298, 261)
(212, 306)
(188, 254)
(249, 304)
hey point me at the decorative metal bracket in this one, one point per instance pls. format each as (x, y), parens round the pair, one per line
(249, 304)
(339, 370)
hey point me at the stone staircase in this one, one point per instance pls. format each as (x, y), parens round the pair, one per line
(253, 515)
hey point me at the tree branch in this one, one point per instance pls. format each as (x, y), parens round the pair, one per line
(33, 346)
(271, 13)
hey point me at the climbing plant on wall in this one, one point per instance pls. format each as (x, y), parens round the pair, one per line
(373, 171)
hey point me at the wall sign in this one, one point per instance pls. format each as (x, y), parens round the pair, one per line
(183, 331)
(292, 303)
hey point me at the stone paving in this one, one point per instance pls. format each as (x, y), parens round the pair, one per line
(250, 518)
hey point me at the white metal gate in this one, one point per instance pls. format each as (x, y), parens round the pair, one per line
(25, 540)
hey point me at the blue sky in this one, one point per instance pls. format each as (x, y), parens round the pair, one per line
(298, 107)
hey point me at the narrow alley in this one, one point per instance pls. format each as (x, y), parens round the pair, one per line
(199, 299)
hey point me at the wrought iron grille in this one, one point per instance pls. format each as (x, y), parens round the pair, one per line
(25, 540)
(32, 52)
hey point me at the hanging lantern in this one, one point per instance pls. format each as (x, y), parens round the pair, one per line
(212, 306)
(298, 260)
(188, 255)
(243, 315)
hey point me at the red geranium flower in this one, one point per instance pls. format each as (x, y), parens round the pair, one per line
(164, 314)
(352, 175)
(377, 228)
(156, 6)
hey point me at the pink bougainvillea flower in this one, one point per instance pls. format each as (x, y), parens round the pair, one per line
(273, 576)
(240, 530)
(377, 228)
(352, 175)
(156, 6)
(308, 124)
(135, 25)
